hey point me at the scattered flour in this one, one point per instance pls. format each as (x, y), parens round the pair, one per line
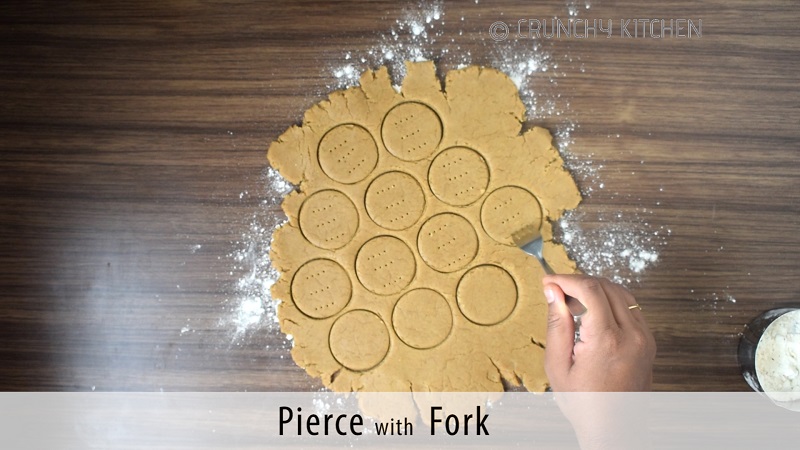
(419, 35)
(187, 328)
(412, 38)
(533, 71)
(619, 248)
(574, 7)
(584, 168)
(716, 303)
(251, 306)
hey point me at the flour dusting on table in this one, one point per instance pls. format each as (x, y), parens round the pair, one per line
(619, 248)
(251, 306)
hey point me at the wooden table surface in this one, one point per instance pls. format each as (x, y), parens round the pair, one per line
(133, 146)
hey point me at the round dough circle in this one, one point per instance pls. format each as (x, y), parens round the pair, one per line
(359, 340)
(395, 200)
(347, 153)
(321, 288)
(458, 176)
(328, 219)
(511, 211)
(422, 318)
(486, 295)
(385, 265)
(411, 131)
(447, 242)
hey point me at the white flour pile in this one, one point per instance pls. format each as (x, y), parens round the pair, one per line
(613, 246)
(610, 244)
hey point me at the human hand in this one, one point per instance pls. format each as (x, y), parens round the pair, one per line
(615, 353)
(616, 349)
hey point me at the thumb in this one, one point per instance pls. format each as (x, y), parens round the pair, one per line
(560, 334)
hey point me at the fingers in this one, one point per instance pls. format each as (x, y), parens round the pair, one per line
(623, 298)
(589, 291)
(560, 334)
(620, 300)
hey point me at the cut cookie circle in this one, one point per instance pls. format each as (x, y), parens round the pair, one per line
(395, 200)
(511, 214)
(359, 340)
(385, 265)
(487, 295)
(328, 219)
(411, 131)
(321, 288)
(422, 318)
(458, 176)
(447, 242)
(347, 153)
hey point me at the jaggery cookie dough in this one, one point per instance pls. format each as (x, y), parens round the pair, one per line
(398, 265)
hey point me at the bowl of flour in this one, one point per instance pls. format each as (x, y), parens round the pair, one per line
(769, 354)
(778, 359)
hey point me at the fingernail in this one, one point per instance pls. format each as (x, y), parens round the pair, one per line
(550, 295)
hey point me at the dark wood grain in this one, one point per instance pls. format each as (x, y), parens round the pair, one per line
(129, 132)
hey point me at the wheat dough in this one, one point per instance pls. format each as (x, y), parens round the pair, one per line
(395, 201)
(398, 269)
(422, 318)
(487, 294)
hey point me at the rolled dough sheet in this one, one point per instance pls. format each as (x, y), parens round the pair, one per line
(398, 268)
